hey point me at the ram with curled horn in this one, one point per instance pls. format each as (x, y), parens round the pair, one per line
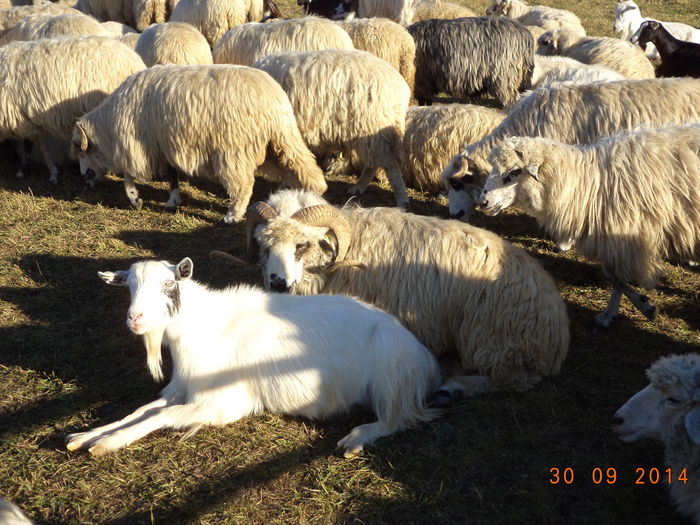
(453, 285)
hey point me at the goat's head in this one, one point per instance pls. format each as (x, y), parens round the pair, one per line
(299, 248)
(87, 152)
(646, 33)
(516, 163)
(155, 300)
(463, 179)
(669, 403)
(622, 19)
(498, 8)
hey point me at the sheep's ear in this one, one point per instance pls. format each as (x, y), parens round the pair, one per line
(184, 268)
(114, 278)
(692, 424)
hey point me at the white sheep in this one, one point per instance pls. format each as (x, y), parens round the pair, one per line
(537, 15)
(494, 305)
(573, 115)
(348, 101)
(399, 11)
(214, 17)
(427, 9)
(247, 43)
(12, 16)
(575, 192)
(619, 55)
(241, 351)
(42, 25)
(551, 70)
(628, 18)
(668, 410)
(173, 43)
(214, 121)
(387, 40)
(45, 85)
(435, 134)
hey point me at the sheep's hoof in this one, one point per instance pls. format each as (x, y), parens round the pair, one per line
(603, 321)
(137, 204)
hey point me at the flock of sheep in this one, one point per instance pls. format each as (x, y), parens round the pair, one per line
(602, 153)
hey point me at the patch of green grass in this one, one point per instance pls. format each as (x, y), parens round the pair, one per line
(67, 363)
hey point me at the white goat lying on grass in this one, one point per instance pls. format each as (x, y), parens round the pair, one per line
(241, 351)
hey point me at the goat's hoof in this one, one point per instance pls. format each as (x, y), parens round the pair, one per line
(603, 321)
(137, 204)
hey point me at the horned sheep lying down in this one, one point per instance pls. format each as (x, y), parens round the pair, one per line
(233, 113)
(668, 410)
(576, 193)
(241, 351)
(455, 286)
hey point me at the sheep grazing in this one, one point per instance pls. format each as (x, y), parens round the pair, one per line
(214, 17)
(351, 102)
(386, 40)
(668, 410)
(537, 15)
(247, 43)
(574, 192)
(678, 58)
(173, 43)
(435, 134)
(621, 56)
(553, 70)
(222, 132)
(46, 85)
(628, 18)
(428, 9)
(494, 304)
(573, 115)
(470, 57)
(14, 15)
(41, 26)
(241, 351)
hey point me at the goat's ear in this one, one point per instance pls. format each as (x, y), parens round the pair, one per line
(184, 268)
(533, 170)
(114, 278)
(692, 424)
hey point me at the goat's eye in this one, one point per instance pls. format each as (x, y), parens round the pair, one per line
(301, 250)
(169, 283)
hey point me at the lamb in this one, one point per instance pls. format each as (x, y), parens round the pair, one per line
(573, 115)
(551, 70)
(628, 18)
(241, 351)
(492, 302)
(427, 9)
(232, 115)
(678, 58)
(470, 57)
(348, 101)
(435, 134)
(247, 43)
(668, 410)
(655, 172)
(41, 26)
(45, 85)
(214, 17)
(173, 43)
(386, 40)
(623, 57)
(537, 15)
(12, 16)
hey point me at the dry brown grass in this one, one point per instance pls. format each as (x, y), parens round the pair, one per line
(67, 362)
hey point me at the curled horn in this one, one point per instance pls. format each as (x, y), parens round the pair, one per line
(324, 215)
(83, 138)
(258, 213)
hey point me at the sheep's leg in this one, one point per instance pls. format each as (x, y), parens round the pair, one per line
(605, 318)
(25, 151)
(363, 181)
(640, 301)
(458, 387)
(239, 187)
(54, 171)
(174, 201)
(80, 440)
(362, 435)
(131, 192)
(398, 186)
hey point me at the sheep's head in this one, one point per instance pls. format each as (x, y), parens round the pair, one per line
(556, 41)
(646, 33)
(516, 163)
(671, 401)
(498, 8)
(155, 300)
(86, 151)
(463, 179)
(298, 249)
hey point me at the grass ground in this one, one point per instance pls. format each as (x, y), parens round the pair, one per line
(68, 363)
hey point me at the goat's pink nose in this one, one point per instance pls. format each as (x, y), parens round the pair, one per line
(135, 316)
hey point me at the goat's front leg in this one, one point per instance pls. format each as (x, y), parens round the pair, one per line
(84, 439)
(640, 301)
(605, 318)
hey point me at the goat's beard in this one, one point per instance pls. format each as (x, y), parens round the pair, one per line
(154, 357)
